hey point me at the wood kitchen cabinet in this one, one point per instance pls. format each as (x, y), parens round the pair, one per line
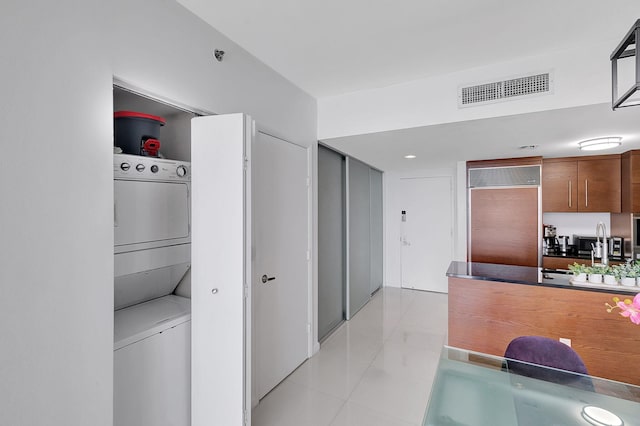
(552, 262)
(630, 181)
(559, 185)
(581, 184)
(555, 262)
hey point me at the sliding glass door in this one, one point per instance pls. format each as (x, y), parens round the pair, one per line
(331, 240)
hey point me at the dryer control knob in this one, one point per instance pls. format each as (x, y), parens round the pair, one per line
(181, 171)
(154, 169)
(125, 166)
(140, 167)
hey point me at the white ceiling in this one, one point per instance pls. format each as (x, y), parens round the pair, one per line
(333, 47)
(556, 133)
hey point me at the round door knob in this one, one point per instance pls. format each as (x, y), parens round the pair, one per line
(181, 171)
(140, 167)
(125, 166)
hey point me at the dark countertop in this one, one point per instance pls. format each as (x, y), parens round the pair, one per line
(528, 275)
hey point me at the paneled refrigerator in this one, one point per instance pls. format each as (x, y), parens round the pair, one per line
(504, 219)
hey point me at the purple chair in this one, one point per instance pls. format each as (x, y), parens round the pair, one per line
(550, 353)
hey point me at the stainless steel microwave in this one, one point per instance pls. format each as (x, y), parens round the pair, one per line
(584, 244)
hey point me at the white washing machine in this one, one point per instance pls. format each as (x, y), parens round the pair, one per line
(152, 363)
(152, 326)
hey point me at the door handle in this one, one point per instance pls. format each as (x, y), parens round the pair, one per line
(265, 279)
(586, 192)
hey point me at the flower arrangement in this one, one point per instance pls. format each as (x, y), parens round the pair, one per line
(628, 308)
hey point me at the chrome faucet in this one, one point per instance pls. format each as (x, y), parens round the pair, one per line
(601, 250)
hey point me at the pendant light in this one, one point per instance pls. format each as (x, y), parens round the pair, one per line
(627, 74)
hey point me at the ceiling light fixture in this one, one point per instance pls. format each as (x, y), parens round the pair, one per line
(410, 156)
(600, 417)
(630, 72)
(600, 143)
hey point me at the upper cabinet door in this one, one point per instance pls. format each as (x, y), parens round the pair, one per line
(559, 185)
(599, 184)
(584, 184)
(630, 181)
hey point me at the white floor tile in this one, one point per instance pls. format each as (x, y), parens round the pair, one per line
(353, 345)
(352, 414)
(374, 322)
(429, 310)
(331, 374)
(394, 299)
(418, 336)
(398, 398)
(291, 404)
(407, 362)
(375, 370)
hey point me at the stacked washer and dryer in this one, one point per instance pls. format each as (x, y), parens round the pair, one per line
(152, 317)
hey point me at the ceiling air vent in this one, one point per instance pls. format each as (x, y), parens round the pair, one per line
(497, 91)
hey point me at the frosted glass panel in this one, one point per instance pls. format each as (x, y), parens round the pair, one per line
(359, 236)
(331, 240)
(375, 179)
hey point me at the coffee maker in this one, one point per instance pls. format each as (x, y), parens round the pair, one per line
(549, 242)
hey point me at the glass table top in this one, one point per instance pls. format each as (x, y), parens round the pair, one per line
(474, 389)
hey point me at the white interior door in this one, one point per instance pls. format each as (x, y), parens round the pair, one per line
(220, 269)
(281, 243)
(426, 232)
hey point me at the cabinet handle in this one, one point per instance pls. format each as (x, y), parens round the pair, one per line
(586, 192)
(569, 193)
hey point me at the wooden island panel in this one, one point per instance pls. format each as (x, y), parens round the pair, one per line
(484, 316)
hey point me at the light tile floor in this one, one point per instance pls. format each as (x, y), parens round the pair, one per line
(375, 370)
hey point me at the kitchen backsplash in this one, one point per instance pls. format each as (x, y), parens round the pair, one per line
(577, 223)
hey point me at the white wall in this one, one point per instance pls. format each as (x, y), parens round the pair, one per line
(392, 229)
(582, 77)
(160, 46)
(163, 48)
(56, 241)
(56, 214)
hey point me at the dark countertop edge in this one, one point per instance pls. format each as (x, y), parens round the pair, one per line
(529, 277)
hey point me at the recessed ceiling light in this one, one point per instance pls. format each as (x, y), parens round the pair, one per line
(410, 156)
(528, 146)
(600, 143)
